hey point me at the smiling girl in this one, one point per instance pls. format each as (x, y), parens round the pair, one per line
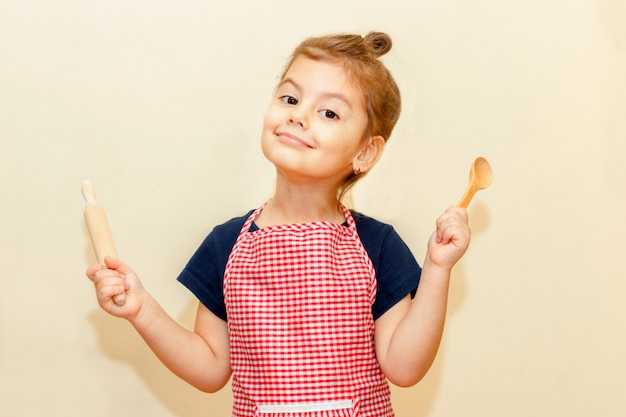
(311, 307)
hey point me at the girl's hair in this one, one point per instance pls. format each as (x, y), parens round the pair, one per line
(358, 56)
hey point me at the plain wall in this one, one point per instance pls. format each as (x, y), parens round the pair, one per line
(160, 104)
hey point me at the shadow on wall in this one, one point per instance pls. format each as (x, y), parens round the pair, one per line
(119, 341)
(612, 16)
(418, 401)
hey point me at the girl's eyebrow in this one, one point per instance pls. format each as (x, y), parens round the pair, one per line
(325, 95)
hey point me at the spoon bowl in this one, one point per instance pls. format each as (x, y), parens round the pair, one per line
(480, 177)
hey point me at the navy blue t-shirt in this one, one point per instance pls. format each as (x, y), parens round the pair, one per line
(397, 271)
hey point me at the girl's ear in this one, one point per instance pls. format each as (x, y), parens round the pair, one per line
(370, 154)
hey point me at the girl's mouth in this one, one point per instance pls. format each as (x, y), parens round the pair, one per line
(293, 140)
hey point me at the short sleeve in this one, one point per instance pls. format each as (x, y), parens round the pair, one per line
(397, 271)
(204, 273)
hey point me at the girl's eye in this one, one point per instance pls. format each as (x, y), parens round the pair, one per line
(329, 114)
(289, 100)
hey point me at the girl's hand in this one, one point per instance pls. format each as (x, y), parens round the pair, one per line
(451, 238)
(113, 278)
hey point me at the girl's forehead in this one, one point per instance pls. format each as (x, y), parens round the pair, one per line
(322, 74)
(305, 64)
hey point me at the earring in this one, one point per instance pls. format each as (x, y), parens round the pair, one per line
(357, 170)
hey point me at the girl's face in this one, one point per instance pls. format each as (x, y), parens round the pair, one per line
(315, 125)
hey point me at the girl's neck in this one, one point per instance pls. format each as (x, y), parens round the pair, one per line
(291, 205)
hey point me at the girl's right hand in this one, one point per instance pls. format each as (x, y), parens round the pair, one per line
(114, 278)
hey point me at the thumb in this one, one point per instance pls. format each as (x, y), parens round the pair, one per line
(116, 264)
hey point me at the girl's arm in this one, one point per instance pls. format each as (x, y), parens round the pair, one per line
(200, 357)
(408, 335)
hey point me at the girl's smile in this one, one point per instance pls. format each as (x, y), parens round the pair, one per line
(289, 139)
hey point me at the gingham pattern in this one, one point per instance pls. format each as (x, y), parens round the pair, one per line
(298, 299)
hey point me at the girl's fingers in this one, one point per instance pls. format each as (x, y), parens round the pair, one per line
(109, 291)
(452, 236)
(449, 223)
(107, 277)
(91, 271)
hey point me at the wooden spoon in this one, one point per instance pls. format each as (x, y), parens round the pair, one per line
(480, 177)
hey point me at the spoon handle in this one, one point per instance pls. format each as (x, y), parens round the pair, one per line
(99, 231)
(467, 197)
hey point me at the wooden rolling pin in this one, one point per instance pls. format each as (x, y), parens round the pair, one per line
(99, 230)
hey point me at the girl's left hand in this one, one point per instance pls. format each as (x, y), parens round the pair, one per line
(451, 239)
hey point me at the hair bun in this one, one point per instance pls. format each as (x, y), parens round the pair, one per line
(378, 43)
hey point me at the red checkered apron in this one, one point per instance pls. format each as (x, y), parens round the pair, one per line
(299, 303)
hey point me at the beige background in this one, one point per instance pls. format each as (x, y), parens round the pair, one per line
(160, 103)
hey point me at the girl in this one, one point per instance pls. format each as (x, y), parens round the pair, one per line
(308, 304)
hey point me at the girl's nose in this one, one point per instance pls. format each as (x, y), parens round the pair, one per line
(297, 116)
